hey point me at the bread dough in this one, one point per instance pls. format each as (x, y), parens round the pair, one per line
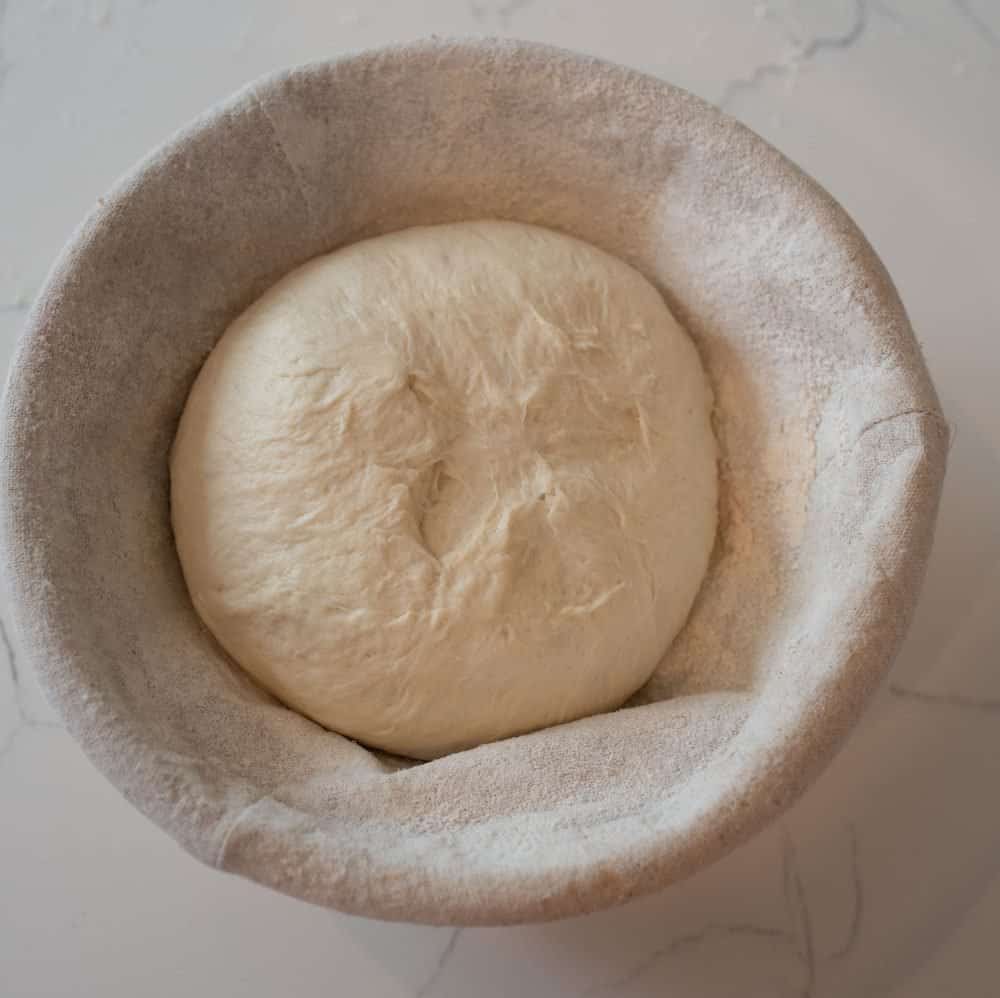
(448, 485)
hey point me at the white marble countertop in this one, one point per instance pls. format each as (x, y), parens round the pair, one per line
(885, 879)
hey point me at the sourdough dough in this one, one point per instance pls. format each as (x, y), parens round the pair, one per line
(448, 485)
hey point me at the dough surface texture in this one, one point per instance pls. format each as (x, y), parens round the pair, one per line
(448, 485)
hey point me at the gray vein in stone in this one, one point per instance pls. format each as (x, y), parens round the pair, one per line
(24, 718)
(24, 725)
(803, 54)
(4, 64)
(439, 967)
(979, 24)
(11, 657)
(15, 682)
(22, 302)
(985, 705)
(798, 909)
(858, 910)
(101, 13)
(684, 942)
(952, 434)
(20, 716)
(892, 15)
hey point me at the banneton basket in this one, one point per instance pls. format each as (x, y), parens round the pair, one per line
(832, 456)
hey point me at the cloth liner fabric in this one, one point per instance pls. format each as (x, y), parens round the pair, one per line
(832, 441)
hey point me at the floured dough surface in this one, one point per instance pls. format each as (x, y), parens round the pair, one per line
(448, 485)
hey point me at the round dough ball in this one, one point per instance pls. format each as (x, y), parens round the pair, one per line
(448, 485)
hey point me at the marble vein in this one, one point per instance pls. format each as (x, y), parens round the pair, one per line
(15, 681)
(802, 54)
(23, 718)
(11, 656)
(985, 705)
(979, 24)
(689, 939)
(439, 967)
(4, 62)
(858, 909)
(798, 909)
(8, 743)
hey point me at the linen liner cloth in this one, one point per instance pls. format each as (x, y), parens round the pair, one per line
(832, 455)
